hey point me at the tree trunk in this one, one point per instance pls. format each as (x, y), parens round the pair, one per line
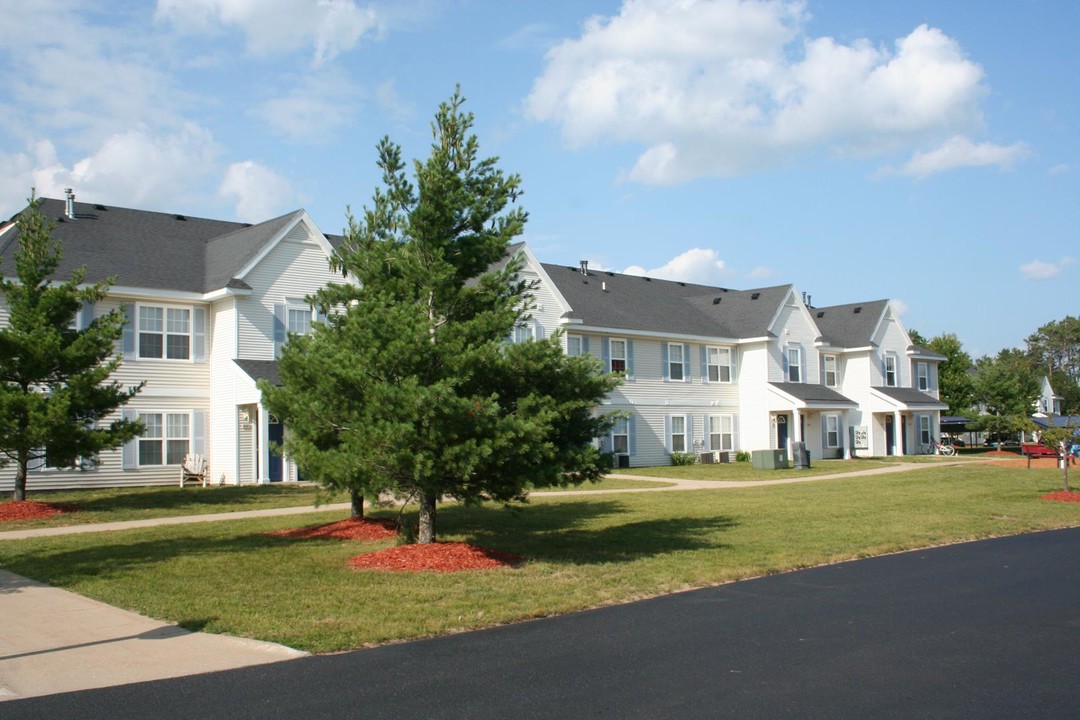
(20, 476)
(357, 502)
(427, 518)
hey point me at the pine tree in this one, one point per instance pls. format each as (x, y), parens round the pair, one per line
(411, 385)
(54, 379)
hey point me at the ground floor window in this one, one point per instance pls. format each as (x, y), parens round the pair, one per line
(166, 439)
(923, 422)
(677, 439)
(722, 432)
(620, 437)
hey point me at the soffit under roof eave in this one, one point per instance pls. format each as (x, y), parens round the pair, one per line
(579, 326)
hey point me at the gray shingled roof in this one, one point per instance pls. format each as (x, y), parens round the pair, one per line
(910, 396)
(261, 370)
(851, 325)
(813, 393)
(630, 302)
(152, 250)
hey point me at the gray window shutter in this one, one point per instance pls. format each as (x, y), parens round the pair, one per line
(783, 354)
(734, 359)
(127, 341)
(632, 444)
(584, 344)
(129, 454)
(86, 316)
(198, 335)
(664, 361)
(320, 316)
(279, 328)
(198, 432)
(735, 432)
(667, 433)
(804, 370)
(605, 354)
(629, 359)
(704, 364)
(606, 443)
(686, 362)
(705, 437)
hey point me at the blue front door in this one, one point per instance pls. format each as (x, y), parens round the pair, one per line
(276, 434)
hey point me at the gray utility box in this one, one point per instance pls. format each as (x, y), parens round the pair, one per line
(770, 459)
(801, 459)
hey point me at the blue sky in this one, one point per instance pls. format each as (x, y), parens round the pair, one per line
(927, 152)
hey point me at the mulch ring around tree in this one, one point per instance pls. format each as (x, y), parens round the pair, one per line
(1062, 496)
(32, 510)
(434, 557)
(349, 529)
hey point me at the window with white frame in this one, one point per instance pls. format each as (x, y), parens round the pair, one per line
(677, 441)
(166, 439)
(890, 370)
(676, 362)
(719, 361)
(522, 333)
(573, 345)
(922, 375)
(164, 332)
(298, 319)
(722, 432)
(924, 429)
(832, 431)
(620, 436)
(617, 348)
(832, 376)
(794, 360)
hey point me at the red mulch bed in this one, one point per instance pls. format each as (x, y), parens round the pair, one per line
(1062, 496)
(434, 557)
(350, 529)
(31, 510)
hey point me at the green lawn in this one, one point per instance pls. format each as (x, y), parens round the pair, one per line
(579, 552)
(117, 504)
(745, 470)
(608, 483)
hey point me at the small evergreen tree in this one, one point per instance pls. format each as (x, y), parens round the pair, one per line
(54, 379)
(411, 386)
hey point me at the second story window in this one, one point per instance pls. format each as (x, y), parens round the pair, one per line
(676, 361)
(794, 370)
(890, 371)
(719, 361)
(922, 373)
(832, 377)
(164, 332)
(618, 356)
(298, 320)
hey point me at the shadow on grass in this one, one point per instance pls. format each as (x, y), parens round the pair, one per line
(580, 532)
(168, 498)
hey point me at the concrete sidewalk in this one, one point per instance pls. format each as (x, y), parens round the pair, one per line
(55, 641)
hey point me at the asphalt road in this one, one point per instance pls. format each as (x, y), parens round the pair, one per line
(981, 630)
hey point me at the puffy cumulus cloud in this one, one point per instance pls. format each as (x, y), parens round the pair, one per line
(696, 265)
(724, 87)
(258, 192)
(139, 168)
(957, 152)
(1040, 270)
(760, 273)
(329, 27)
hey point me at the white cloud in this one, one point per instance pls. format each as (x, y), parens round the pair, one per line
(386, 95)
(315, 109)
(899, 307)
(1059, 169)
(957, 152)
(696, 265)
(1040, 270)
(725, 87)
(259, 192)
(329, 27)
(760, 273)
(138, 168)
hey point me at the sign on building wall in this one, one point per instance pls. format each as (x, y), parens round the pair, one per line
(860, 438)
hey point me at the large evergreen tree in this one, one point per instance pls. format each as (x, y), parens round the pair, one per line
(954, 374)
(411, 385)
(54, 379)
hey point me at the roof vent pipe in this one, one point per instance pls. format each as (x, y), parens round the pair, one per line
(69, 204)
(584, 267)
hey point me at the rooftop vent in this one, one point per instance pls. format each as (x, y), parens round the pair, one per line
(858, 310)
(100, 207)
(755, 296)
(682, 284)
(584, 267)
(69, 203)
(180, 217)
(716, 300)
(821, 313)
(647, 279)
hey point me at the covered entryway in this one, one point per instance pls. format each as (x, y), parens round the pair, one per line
(811, 414)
